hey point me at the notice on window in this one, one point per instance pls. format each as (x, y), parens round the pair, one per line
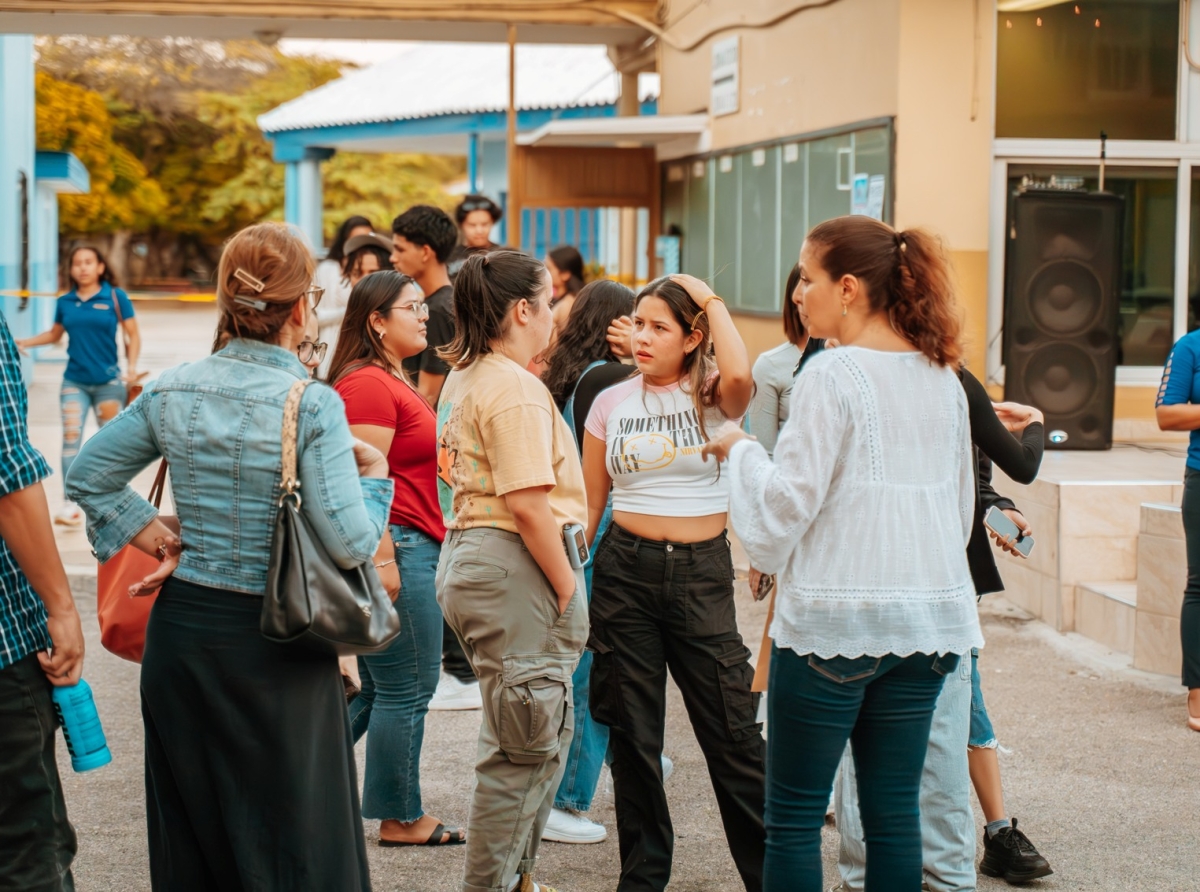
(875, 196)
(858, 194)
(724, 98)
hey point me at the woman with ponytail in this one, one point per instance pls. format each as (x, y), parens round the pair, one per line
(511, 491)
(864, 513)
(250, 772)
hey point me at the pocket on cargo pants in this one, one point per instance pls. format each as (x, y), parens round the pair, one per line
(535, 705)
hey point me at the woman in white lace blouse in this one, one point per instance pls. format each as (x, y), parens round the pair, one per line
(864, 512)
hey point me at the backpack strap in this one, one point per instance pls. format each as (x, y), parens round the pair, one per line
(569, 408)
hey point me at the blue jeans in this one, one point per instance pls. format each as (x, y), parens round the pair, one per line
(982, 734)
(76, 400)
(590, 743)
(947, 823)
(884, 707)
(397, 685)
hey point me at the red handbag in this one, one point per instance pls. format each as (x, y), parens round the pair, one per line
(122, 618)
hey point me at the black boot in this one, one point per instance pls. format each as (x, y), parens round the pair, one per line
(1010, 854)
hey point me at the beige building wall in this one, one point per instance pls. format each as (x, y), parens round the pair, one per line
(928, 63)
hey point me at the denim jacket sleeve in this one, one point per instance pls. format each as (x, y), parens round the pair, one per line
(98, 480)
(349, 513)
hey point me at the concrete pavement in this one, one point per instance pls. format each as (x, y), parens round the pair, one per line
(1098, 764)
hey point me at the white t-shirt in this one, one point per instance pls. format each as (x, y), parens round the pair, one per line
(653, 440)
(866, 509)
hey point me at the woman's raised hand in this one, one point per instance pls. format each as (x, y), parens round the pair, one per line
(620, 337)
(697, 289)
(726, 436)
(1016, 417)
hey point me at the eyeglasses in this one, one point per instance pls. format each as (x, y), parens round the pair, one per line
(312, 351)
(419, 309)
(314, 295)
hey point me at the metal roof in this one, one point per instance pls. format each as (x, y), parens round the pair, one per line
(431, 79)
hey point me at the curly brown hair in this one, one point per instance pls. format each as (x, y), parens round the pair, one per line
(906, 274)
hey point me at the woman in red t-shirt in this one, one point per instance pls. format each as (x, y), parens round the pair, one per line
(384, 324)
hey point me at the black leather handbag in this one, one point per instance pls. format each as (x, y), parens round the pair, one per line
(310, 601)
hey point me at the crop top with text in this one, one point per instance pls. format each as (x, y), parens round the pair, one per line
(652, 440)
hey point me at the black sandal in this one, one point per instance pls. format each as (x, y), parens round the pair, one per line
(457, 836)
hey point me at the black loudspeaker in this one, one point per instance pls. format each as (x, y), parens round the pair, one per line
(1061, 301)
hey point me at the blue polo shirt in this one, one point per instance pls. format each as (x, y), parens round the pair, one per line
(92, 332)
(1181, 384)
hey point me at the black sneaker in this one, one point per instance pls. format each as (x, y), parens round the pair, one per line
(1010, 854)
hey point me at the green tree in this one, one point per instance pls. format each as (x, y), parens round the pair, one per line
(71, 118)
(178, 122)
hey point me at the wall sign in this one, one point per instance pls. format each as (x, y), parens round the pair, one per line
(724, 99)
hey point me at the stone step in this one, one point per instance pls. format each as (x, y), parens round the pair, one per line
(1106, 612)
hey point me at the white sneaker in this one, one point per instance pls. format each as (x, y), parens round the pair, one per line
(568, 825)
(453, 694)
(69, 515)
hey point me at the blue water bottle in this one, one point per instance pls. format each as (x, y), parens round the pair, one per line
(76, 712)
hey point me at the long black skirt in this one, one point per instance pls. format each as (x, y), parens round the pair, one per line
(250, 775)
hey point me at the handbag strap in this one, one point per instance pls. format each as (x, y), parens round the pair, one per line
(289, 483)
(160, 479)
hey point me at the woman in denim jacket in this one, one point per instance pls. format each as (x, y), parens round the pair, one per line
(250, 772)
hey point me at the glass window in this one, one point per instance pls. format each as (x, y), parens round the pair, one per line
(695, 234)
(793, 192)
(759, 281)
(1147, 252)
(727, 234)
(758, 204)
(1070, 70)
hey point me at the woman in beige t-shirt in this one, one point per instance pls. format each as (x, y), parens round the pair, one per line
(509, 480)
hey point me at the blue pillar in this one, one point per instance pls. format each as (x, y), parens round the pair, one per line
(291, 192)
(16, 159)
(303, 204)
(473, 162)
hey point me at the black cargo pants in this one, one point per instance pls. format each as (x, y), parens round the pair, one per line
(659, 606)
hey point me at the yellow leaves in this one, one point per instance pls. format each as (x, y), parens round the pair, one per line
(71, 118)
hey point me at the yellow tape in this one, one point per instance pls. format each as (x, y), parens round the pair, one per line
(189, 297)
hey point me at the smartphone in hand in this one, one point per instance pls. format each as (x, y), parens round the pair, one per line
(1001, 524)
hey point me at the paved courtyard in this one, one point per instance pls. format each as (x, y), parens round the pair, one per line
(1098, 764)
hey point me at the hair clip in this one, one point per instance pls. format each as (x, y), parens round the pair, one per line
(259, 305)
(249, 281)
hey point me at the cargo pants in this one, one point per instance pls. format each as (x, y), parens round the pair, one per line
(505, 612)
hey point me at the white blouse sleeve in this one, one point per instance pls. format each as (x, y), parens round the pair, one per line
(969, 488)
(774, 502)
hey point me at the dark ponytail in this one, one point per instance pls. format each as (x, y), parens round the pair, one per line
(486, 287)
(905, 273)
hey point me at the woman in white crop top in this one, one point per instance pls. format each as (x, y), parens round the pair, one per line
(865, 513)
(662, 589)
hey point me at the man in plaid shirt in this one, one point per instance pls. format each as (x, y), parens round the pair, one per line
(41, 644)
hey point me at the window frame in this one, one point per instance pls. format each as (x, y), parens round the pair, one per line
(711, 160)
(1180, 156)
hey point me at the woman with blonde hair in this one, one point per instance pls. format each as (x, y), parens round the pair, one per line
(250, 772)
